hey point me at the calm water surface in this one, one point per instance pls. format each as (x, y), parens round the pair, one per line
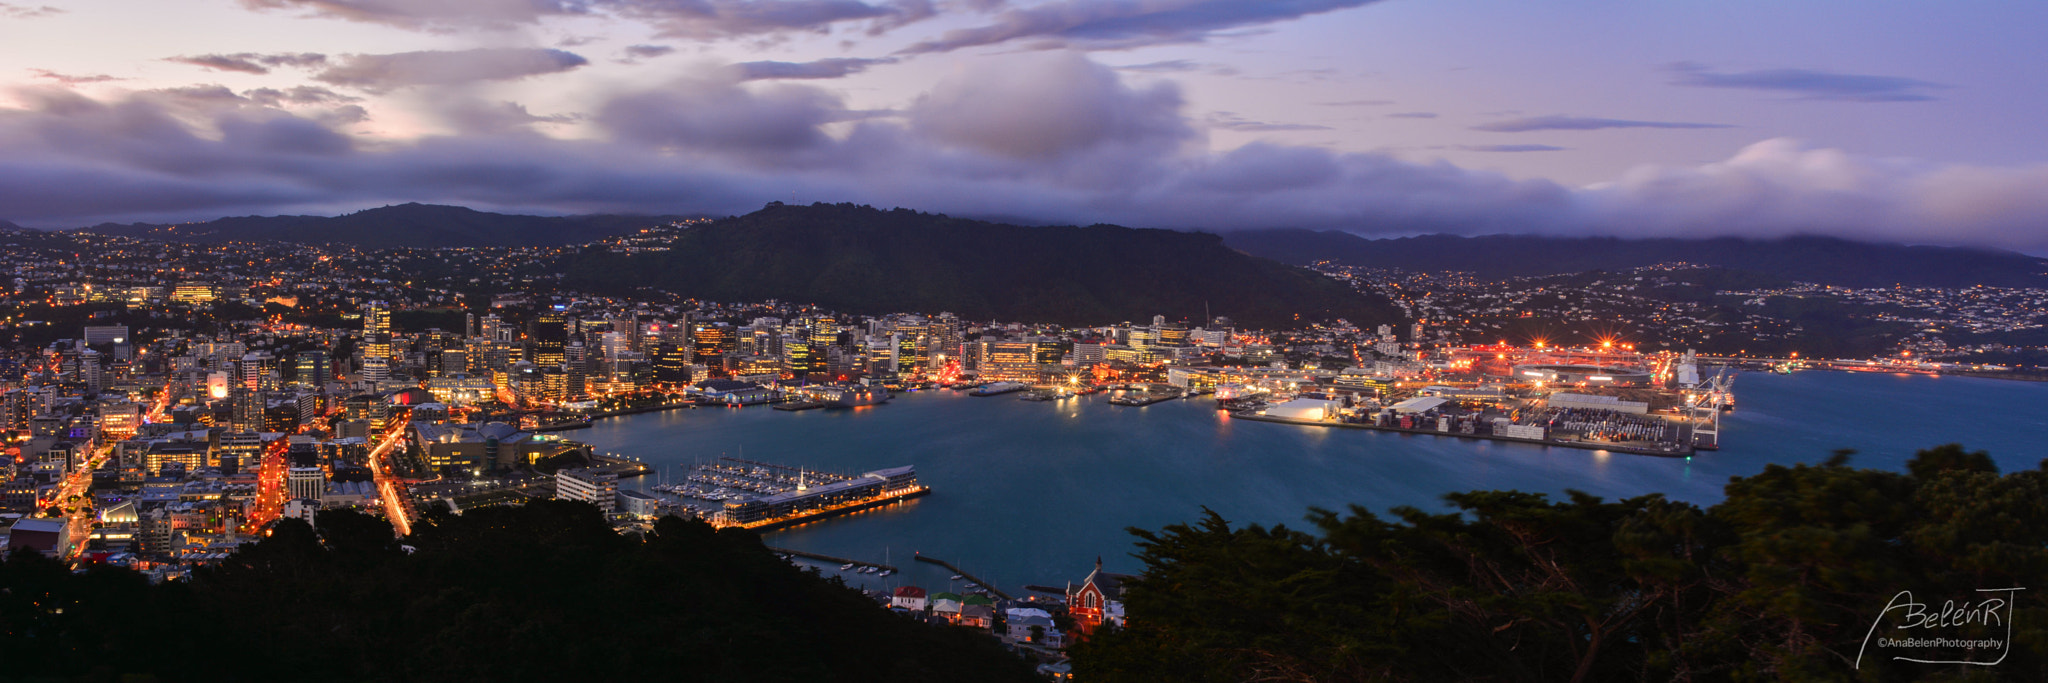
(1028, 492)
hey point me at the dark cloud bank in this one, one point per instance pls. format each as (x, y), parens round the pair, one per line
(1048, 136)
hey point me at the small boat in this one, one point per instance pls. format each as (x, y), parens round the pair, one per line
(887, 572)
(846, 566)
(956, 577)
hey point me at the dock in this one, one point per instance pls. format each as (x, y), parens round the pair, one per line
(1145, 397)
(841, 561)
(921, 557)
(840, 510)
(799, 405)
(621, 466)
(1686, 452)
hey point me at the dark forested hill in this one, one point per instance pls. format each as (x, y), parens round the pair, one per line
(404, 225)
(1826, 573)
(864, 260)
(1824, 260)
(541, 592)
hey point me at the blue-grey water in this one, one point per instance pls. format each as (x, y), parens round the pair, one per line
(1030, 492)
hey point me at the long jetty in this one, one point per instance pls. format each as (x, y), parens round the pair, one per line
(828, 558)
(921, 557)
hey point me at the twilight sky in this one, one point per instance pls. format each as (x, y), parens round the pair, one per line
(1889, 120)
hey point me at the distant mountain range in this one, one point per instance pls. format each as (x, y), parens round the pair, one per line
(865, 260)
(1823, 260)
(404, 225)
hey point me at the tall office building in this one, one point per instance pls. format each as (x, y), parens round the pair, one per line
(823, 333)
(376, 330)
(550, 338)
(671, 365)
(945, 346)
(313, 368)
(796, 356)
(248, 409)
(89, 371)
(710, 342)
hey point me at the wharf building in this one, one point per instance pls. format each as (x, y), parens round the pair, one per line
(806, 501)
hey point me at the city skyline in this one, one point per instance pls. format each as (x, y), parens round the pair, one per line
(1889, 122)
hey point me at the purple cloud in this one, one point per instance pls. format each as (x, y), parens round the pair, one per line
(380, 73)
(304, 95)
(1051, 137)
(1224, 120)
(1809, 84)
(252, 63)
(699, 19)
(1536, 123)
(12, 11)
(72, 79)
(1509, 148)
(635, 53)
(1112, 25)
(820, 69)
(1048, 108)
(1413, 115)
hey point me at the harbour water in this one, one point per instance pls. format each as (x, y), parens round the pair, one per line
(1031, 492)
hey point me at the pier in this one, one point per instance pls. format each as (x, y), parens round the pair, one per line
(1686, 452)
(921, 557)
(841, 561)
(793, 406)
(822, 513)
(624, 467)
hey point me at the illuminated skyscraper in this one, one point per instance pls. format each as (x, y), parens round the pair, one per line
(671, 365)
(376, 330)
(550, 339)
(824, 334)
(312, 368)
(710, 343)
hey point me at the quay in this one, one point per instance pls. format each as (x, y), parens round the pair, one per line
(1685, 452)
(799, 405)
(841, 561)
(562, 426)
(624, 467)
(804, 518)
(921, 557)
(1147, 395)
(642, 409)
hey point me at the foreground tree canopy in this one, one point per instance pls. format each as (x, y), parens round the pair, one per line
(543, 592)
(1781, 581)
